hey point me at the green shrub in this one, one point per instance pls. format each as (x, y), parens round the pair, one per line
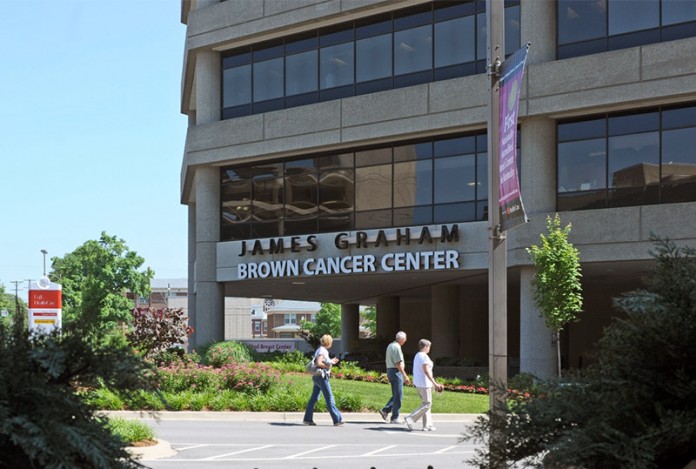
(45, 418)
(226, 353)
(130, 431)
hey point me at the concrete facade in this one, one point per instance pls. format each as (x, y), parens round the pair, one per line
(448, 306)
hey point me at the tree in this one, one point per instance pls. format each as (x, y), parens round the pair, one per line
(157, 330)
(556, 282)
(44, 419)
(95, 278)
(635, 406)
(369, 315)
(9, 302)
(327, 321)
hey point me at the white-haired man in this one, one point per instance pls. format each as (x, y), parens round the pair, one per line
(396, 372)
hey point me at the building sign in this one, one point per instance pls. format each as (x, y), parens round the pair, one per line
(267, 346)
(45, 305)
(353, 262)
(510, 202)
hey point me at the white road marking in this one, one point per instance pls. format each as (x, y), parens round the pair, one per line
(378, 450)
(236, 452)
(292, 456)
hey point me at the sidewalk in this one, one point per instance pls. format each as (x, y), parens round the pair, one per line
(164, 450)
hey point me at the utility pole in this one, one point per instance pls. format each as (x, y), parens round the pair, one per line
(497, 270)
(16, 284)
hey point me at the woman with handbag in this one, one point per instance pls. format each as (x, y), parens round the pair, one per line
(322, 385)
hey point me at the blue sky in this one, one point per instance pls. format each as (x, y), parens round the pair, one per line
(91, 134)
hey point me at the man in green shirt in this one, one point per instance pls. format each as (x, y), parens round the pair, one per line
(397, 377)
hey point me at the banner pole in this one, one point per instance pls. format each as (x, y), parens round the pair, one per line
(497, 273)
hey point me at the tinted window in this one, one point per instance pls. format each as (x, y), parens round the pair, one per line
(629, 15)
(237, 86)
(454, 41)
(413, 50)
(373, 58)
(579, 20)
(336, 65)
(301, 73)
(268, 80)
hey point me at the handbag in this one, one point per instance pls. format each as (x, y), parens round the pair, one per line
(313, 369)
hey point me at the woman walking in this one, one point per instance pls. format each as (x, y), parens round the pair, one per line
(424, 381)
(322, 385)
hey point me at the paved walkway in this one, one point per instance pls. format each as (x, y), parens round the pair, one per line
(164, 450)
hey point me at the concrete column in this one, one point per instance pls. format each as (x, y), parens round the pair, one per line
(192, 273)
(473, 323)
(388, 320)
(207, 87)
(538, 26)
(210, 311)
(350, 328)
(538, 172)
(444, 317)
(537, 352)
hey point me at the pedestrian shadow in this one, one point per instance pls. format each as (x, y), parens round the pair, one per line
(389, 428)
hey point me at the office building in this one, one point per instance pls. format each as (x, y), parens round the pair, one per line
(337, 152)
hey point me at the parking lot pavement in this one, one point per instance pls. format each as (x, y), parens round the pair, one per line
(280, 440)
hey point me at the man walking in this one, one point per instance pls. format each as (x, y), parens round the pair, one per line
(396, 372)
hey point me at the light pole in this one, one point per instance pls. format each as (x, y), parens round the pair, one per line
(44, 252)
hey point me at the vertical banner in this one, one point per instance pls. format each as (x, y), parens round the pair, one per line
(45, 305)
(510, 202)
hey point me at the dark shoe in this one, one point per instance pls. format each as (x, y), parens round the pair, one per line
(311, 424)
(384, 415)
(338, 424)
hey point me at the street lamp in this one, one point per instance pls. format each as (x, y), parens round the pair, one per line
(44, 252)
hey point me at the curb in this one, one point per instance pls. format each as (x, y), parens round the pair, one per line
(268, 416)
(161, 450)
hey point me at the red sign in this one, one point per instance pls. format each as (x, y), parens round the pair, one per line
(45, 299)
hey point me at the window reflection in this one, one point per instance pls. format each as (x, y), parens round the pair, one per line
(642, 166)
(423, 182)
(628, 15)
(455, 179)
(336, 191)
(336, 66)
(678, 165)
(592, 26)
(413, 183)
(268, 80)
(373, 58)
(581, 165)
(373, 187)
(237, 83)
(413, 50)
(430, 42)
(301, 73)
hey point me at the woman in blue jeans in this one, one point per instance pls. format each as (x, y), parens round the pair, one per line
(321, 384)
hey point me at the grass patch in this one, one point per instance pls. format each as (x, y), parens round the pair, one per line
(131, 432)
(373, 396)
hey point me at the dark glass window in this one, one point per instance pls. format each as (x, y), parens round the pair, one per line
(413, 50)
(639, 159)
(373, 58)
(301, 72)
(455, 41)
(237, 83)
(435, 41)
(591, 26)
(268, 80)
(436, 180)
(336, 66)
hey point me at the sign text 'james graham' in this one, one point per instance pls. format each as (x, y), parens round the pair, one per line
(350, 264)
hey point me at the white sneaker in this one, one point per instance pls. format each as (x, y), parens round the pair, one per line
(397, 421)
(409, 423)
(429, 429)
